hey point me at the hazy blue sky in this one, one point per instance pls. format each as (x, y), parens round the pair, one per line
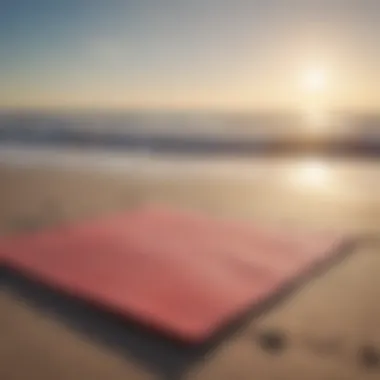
(188, 53)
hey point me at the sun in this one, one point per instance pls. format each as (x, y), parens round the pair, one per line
(314, 80)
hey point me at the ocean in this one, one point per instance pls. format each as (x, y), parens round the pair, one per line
(193, 132)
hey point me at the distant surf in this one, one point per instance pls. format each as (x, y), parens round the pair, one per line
(196, 132)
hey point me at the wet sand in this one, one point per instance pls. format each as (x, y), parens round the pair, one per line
(328, 329)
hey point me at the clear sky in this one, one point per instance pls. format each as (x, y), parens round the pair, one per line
(189, 53)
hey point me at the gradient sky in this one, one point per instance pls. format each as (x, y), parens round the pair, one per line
(187, 53)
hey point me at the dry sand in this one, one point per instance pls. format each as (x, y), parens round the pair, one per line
(328, 329)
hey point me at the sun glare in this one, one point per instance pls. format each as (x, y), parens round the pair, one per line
(314, 80)
(311, 174)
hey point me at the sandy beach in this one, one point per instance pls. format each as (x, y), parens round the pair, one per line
(326, 325)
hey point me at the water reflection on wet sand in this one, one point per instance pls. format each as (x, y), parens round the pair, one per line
(308, 191)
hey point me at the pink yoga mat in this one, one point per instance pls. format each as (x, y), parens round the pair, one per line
(181, 273)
